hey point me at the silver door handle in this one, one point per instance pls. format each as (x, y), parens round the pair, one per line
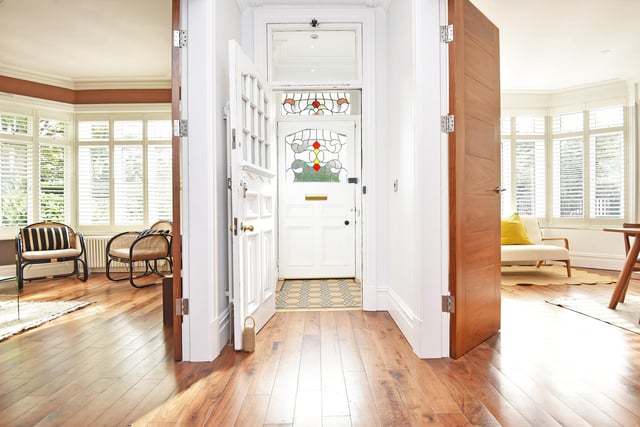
(500, 189)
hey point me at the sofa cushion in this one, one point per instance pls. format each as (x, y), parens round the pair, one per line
(513, 253)
(45, 238)
(513, 232)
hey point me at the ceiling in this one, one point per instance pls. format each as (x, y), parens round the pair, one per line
(550, 45)
(87, 43)
(546, 45)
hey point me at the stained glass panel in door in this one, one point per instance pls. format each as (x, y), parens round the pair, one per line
(315, 155)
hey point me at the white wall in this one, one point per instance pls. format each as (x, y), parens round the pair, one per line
(210, 24)
(417, 227)
(401, 154)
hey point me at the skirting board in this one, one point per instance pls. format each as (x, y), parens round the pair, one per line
(403, 316)
(224, 329)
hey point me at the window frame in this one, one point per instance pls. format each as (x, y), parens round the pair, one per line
(145, 142)
(586, 134)
(35, 141)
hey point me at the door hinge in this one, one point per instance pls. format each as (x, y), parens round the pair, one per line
(180, 128)
(233, 139)
(448, 304)
(179, 38)
(447, 123)
(182, 306)
(446, 33)
(229, 182)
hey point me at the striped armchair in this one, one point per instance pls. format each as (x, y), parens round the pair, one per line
(50, 242)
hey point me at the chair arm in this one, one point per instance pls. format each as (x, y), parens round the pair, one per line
(566, 241)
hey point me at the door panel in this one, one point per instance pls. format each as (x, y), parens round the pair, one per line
(474, 150)
(317, 204)
(253, 194)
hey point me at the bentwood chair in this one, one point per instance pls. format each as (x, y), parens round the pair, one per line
(142, 252)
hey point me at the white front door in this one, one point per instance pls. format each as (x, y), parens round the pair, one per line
(317, 189)
(253, 194)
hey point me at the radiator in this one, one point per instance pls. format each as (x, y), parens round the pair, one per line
(96, 252)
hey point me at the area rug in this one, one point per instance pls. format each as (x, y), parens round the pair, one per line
(32, 314)
(319, 294)
(550, 275)
(625, 316)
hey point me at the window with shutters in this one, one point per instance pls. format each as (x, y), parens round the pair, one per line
(570, 168)
(124, 169)
(589, 164)
(34, 168)
(523, 166)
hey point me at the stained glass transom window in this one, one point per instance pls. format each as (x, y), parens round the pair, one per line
(315, 155)
(316, 104)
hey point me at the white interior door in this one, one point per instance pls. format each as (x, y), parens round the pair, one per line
(317, 190)
(253, 193)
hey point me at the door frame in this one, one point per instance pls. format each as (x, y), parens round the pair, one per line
(358, 195)
(176, 248)
(373, 103)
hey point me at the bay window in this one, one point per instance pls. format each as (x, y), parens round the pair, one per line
(579, 158)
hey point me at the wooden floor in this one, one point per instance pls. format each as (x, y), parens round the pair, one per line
(110, 364)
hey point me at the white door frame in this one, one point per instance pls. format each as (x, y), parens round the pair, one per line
(357, 119)
(374, 281)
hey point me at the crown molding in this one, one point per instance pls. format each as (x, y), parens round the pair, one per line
(86, 84)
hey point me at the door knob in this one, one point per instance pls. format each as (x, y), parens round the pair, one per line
(247, 227)
(346, 222)
(500, 189)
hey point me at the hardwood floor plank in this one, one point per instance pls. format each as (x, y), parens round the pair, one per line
(362, 406)
(388, 403)
(308, 408)
(283, 396)
(334, 392)
(253, 410)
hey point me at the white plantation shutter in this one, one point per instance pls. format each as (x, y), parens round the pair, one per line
(16, 124)
(606, 117)
(159, 130)
(568, 178)
(94, 195)
(52, 182)
(16, 183)
(128, 184)
(570, 122)
(159, 181)
(530, 178)
(530, 125)
(95, 130)
(127, 130)
(607, 175)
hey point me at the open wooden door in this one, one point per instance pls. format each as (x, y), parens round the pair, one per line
(176, 249)
(474, 177)
(253, 193)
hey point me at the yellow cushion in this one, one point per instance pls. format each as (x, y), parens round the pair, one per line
(513, 232)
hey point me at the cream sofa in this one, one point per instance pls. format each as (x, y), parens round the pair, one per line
(539, 251)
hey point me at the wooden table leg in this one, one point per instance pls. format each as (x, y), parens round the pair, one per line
(625, 274)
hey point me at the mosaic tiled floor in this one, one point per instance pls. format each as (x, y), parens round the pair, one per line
(319, 294)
